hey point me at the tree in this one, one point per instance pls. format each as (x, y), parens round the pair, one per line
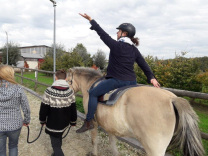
(47, 64)
(69, 60)
(140, 76)
(13, 54)
(179, 73)
(82, 51)
(60, 50)
(99, 59)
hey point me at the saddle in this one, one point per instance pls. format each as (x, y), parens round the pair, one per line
(112, 96)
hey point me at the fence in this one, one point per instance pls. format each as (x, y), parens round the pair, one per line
(178, 92)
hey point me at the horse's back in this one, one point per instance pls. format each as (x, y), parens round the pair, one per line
(138, 109)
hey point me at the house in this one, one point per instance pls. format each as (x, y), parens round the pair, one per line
(32, 55)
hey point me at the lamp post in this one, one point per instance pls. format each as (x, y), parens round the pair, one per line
(54, 40)
(7, 49)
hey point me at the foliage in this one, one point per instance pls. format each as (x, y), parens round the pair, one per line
(69, 60)
(140, 76)
(13, 54)
(99, 59)
(60, 50)
(179, 73)
(203, 78)
(82, 51)
(65, 60)
(203, 63)
(47, 64)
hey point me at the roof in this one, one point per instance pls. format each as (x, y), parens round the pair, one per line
(34, 56)
(35, 46)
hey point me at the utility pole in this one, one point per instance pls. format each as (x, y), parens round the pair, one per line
(54, 40)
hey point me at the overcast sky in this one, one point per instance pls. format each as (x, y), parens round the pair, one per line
(164, 27)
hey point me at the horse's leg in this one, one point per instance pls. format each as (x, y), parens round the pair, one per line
(112, 141)
(94, 133)
(155, 148)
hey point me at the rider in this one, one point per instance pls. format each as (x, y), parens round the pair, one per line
(120, 70)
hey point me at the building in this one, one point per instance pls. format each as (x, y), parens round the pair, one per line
(32, 55)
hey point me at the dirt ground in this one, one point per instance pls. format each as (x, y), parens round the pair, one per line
(73, 145)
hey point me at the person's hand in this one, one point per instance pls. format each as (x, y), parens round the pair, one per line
(86, 16)
(155, 83)
(24, 124)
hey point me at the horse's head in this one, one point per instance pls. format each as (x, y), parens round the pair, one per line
(71, 80)
(81, 78)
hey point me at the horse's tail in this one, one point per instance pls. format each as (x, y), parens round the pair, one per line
(187, 134)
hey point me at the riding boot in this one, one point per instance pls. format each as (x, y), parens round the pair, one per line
(86, 126)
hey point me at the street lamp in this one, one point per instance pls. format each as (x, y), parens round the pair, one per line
(7, 48)
(54, 40)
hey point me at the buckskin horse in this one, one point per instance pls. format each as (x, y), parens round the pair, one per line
(156, 117)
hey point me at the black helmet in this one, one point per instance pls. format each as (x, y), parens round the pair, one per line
(129, 28)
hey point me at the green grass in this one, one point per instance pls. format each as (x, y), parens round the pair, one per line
(203, 118)
(43, 78)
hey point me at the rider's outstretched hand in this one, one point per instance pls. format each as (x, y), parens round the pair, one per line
(86, 16)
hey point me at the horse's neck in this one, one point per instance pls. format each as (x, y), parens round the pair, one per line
(85, 86)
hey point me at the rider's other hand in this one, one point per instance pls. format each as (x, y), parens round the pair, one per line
(155, 83)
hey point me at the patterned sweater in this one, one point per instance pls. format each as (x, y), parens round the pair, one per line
(58, 108)
(12, 100)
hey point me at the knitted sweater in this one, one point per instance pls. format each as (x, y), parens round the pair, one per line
(12, 101)
(58, 108)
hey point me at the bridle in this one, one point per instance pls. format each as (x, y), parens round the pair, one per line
(71, 81)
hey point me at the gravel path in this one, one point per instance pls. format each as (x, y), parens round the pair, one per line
(73, 145)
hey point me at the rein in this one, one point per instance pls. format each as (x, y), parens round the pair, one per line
(28, 134)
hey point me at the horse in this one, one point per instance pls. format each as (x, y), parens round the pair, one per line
(157, 118)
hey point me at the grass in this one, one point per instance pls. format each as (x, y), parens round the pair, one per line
(200, 110)
(43, 78)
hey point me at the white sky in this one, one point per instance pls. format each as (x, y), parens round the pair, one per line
(164, 27)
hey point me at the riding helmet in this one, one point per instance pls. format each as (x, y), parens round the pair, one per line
(129, 28)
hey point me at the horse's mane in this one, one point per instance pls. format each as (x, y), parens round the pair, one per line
(89, 73)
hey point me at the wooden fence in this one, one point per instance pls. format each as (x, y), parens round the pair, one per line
(178, 92)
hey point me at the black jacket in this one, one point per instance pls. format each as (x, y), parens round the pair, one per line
(122, 57)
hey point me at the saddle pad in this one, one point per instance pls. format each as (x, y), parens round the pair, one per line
(111, 97)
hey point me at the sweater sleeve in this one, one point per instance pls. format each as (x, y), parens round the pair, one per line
(44, 109)
(25, 107)
(145, 67)
(111, 43)
(73, 114)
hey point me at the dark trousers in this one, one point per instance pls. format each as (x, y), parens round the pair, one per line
(102, 88)
(56, 143)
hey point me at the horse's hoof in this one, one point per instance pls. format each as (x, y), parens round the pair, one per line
(91, 154)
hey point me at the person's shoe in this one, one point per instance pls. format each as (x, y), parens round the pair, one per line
(86, 126)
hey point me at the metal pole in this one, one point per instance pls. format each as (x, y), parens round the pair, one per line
(54, 40)
(7, 49)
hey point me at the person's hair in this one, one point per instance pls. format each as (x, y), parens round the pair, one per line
(61, 74)
(7, 73)
(135, 40)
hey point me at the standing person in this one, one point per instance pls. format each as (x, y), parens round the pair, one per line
(120, 70)
(12, 101)
(58, 111)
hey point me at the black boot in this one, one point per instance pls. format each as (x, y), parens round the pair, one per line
(86, 126)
